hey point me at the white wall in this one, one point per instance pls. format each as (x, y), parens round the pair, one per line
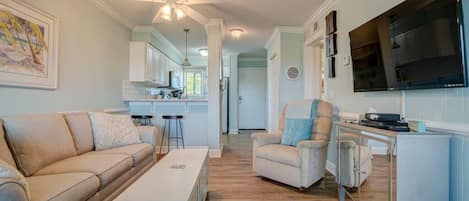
(93, 61)
(340, 90)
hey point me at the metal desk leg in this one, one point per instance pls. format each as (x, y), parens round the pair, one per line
(341, 193)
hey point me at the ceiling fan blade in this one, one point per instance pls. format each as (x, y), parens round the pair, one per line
(194, 2)
(195, 15)
(157, 19)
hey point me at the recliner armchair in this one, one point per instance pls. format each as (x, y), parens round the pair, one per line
(299, 166)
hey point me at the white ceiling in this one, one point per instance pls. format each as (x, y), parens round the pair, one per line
(258, 18)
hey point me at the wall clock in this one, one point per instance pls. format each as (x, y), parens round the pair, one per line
(293, 73)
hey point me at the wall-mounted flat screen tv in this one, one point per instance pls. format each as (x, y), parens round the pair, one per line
(418, 44)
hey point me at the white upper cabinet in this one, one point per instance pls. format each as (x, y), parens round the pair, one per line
(177, 78)
(164, 70)
(147, 64)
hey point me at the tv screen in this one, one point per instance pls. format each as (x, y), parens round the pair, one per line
(415, 45)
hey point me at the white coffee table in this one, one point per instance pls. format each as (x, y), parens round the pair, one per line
(182, 175)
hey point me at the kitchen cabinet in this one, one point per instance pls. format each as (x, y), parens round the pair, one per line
(148, 64)
(177, 76)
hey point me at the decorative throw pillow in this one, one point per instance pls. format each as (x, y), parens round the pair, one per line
(297, 130)
(9, 174)
(113, 130)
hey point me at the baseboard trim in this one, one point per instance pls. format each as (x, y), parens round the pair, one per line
(116, 110)
(233, 132)
(330, 167)
(216, 153)
(379, 150)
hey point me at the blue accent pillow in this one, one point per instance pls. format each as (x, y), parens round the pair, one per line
(297, 130)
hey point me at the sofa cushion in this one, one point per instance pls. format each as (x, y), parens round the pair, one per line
(10, 175)
(5, 153)
(82, 133)
(58, 187)
(279, 153)
(38, 140)
(106, 166)
(111, 130)
(12, 191)
(138, 152)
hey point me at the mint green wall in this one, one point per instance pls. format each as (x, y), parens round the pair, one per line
(291, 45)
(252, 62)
(93, 61)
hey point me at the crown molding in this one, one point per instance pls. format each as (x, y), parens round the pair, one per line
(325, 7)
(108, 9)
(290, 29)
(159, 36)
(282, 29)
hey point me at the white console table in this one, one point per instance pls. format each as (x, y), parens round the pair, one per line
(422, 162)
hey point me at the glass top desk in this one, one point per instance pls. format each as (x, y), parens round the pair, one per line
(416, 167)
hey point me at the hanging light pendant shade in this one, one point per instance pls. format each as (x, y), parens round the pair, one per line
(186, 62)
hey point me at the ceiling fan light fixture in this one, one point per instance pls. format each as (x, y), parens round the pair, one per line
(180, 14)
(166, 9)
(164, 13)
(236, 32)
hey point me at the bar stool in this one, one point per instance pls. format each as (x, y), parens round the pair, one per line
(168, 119)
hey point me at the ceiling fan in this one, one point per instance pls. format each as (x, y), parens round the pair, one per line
(179, 9)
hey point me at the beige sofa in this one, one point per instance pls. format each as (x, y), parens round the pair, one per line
(55, 152)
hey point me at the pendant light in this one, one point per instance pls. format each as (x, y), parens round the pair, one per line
(186, 62)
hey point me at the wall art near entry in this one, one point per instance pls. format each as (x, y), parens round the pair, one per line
(28, 46)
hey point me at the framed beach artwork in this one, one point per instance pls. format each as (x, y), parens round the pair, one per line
(28, 46)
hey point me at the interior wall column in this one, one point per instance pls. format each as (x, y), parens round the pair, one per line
(233, 96)
(214, 30)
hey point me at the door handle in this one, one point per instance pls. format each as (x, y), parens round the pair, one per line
(240, 99)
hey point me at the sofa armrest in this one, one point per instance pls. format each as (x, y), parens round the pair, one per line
(312, 144)
(261, 139)
(148, 134)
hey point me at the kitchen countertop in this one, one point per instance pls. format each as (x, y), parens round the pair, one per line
(163, 100)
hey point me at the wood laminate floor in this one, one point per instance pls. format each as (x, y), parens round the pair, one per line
(232, 179)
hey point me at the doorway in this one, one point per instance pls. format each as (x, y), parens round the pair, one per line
(315, 70)
(252, 98)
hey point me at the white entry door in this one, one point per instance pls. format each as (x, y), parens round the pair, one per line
(252, 98)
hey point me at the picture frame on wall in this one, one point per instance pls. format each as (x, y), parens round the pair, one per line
(28, 46)
(331, 45)
(331, 23)
(331, 65)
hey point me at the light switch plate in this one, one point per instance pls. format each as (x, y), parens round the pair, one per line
(346, 60)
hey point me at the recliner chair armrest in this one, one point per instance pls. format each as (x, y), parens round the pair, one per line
(312, 144)
(148, 134)
(262, 139)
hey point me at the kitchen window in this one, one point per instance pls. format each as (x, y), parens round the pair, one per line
(195, 82)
